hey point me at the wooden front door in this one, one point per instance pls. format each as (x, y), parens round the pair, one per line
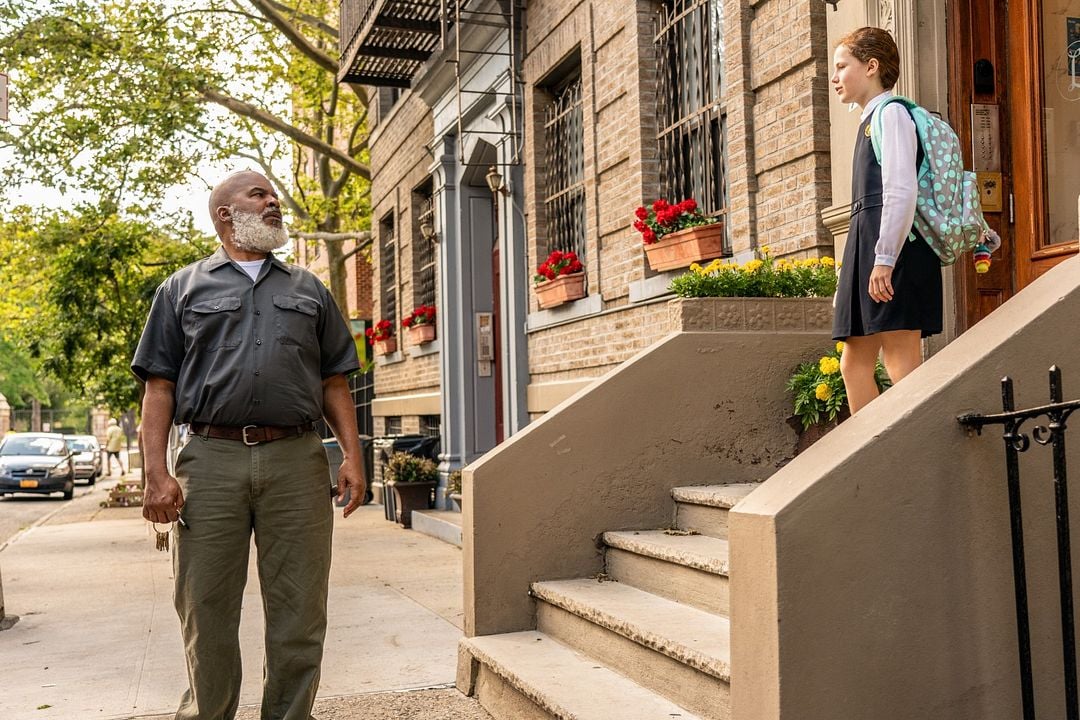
(1015, 101)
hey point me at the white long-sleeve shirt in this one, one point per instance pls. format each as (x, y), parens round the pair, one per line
(899, 148)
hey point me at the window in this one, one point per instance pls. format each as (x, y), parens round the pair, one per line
(425, 257)
(430, 425)
(393, 425)
(388, 270)
(385, 99)
(564, 182)
(690, 138)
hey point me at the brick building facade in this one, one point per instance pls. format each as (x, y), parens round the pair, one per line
(601, 64)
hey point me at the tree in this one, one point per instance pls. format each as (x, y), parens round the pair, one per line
(96, 273)
(126, 99)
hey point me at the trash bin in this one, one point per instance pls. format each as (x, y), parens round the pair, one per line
(425, 446)
(334, 457)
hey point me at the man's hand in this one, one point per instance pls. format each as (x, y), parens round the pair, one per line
(162, 499)
(351, 476)
(881, 289)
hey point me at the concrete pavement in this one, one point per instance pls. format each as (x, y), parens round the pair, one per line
(97, 636)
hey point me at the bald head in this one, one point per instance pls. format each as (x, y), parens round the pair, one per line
(246, 214)
(235, 187)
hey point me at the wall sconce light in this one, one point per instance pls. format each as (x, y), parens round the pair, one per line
(427, 231)
(495, 181)
(834, 3)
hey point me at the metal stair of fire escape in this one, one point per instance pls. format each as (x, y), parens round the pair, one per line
(647, 640)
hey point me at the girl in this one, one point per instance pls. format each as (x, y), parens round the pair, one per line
(889, 293)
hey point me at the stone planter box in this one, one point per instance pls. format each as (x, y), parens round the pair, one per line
(680, 249)
(562, 289)
(421, 334)
(409, 496)
(752, 314)
(386, 347)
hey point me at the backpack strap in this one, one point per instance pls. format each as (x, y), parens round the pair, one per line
(876, 122)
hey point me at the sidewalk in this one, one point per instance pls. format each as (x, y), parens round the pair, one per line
(97, 636)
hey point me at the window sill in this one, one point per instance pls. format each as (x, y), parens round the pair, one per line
(431, 348)
(392, 359)
(653, 287)
(586, 306)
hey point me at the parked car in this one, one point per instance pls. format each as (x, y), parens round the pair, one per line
(36, 463)
(87, 457)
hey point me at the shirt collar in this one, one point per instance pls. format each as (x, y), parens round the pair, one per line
(220, 258)
(874, 103)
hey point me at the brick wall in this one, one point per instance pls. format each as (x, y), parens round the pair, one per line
(400, 160)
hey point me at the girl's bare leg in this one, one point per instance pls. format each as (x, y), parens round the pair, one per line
(901, 351)
(857, 364)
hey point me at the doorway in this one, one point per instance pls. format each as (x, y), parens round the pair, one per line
(1014, 72)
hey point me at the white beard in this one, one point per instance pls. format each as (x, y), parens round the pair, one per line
(251, 234)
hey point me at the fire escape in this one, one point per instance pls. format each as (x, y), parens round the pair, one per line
(386, 43)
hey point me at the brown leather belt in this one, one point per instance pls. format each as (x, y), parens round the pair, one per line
(250, 434)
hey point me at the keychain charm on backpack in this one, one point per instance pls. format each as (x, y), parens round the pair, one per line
(982, 258)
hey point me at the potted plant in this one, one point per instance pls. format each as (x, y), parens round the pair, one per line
(382, 337)
(421, 324)
(412, 479)
(760, 277)
(559, 279)
(453, 489)
(677, 235)
(819, 397)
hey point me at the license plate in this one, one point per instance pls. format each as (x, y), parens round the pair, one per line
(28, 483)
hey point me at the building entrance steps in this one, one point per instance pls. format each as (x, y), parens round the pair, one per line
(651, 630)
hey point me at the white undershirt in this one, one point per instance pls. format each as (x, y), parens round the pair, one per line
(251, 267)
(899, 194)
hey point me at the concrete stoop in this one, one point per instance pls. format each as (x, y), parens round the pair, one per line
(444, 525)
(647, 640)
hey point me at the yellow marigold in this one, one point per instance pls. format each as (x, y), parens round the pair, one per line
(696, 269)
(764, 249)
(812, 262)
(752, 265)
(823, 391)
(828, 261)
(829, 365)
(840, 346)
(714, 266)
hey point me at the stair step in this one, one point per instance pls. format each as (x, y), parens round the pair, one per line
(563, 683)
(690, 569)
(693, 637)
(704, 508)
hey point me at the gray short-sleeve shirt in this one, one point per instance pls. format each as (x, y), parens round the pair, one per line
(243, 352)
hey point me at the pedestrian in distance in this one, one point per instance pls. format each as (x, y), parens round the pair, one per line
(114, 441)
(889, 294)
(248, 352)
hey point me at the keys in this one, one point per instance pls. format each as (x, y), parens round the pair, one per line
(162, 539)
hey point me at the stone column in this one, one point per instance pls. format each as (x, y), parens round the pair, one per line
(5, 415)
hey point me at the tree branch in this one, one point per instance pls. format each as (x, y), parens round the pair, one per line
(273, 122)
(310, 20)
(301, 43)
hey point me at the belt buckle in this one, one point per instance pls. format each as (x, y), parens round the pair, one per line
(244, 436)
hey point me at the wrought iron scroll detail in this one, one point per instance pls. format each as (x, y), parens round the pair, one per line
(1050, 432)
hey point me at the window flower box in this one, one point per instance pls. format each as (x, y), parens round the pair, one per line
(421, 324)
(386, 347)
(381, 337)
(677, 235)
(560, 279)
(420, 334)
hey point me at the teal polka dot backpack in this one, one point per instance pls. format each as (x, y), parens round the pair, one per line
(948, 214)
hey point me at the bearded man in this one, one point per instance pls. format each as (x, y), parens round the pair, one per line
(249, 353)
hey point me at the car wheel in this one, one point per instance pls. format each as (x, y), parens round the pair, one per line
(92, 479)
(69, 491)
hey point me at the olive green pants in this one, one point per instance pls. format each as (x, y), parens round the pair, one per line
(280, 491)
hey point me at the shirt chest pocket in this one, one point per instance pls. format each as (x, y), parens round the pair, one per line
(216, 324)
(294, 319)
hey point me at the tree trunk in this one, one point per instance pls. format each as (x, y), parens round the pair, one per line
(335, 260)
(35, 415)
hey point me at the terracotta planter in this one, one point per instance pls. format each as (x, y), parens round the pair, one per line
(562, 289)
(408, 497)
(386, 347)
(679, 249)
(420, 334)
(809, 436)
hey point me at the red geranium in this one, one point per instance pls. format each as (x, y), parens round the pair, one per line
(664, 218)
(422, 315)
(558, 263)
(383, 330)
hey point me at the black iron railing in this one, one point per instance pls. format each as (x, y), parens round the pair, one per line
(1050, 432)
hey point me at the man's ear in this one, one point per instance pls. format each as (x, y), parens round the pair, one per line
(223, 214)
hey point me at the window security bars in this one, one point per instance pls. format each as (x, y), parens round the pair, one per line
(424, 255)
(388, 271)
(1051, 433)
(393, 425)
(430, 425)
(564, 144)
(691, 123)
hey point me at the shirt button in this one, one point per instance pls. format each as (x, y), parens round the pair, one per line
(258, 401)
(217, 307)
(256, 372)
(258, 312)
(258, 342)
